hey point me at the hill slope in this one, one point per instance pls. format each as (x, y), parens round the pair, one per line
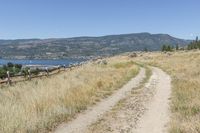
(85, 46)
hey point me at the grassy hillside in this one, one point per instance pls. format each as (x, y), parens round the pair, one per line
(41, 104)
(184, 68)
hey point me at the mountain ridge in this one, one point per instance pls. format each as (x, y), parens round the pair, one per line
(84, 46)
(147, 33)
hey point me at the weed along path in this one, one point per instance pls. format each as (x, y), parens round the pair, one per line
(85, 119)
(145, 110)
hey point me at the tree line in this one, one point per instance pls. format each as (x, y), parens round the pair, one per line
(169, 48)
(194, 45)
(15, 69)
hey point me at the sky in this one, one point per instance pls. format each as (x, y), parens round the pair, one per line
(20, 19)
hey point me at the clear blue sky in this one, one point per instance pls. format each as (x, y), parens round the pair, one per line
(70, 18)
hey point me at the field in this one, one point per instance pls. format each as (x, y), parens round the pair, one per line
(184, 68)
(41, 104)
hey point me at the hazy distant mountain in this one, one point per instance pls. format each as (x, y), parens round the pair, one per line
(85, 46)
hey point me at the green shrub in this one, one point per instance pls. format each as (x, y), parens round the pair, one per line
(2, 73)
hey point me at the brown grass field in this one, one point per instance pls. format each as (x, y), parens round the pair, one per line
(41, 104)
(184, 68)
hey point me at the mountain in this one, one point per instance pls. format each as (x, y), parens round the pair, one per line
(85, 46)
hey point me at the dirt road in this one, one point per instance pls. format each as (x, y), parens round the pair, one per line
(157, 116)
(85, 119)
(145, 110)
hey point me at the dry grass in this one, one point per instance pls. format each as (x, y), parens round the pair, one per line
(39, 105)
(184, 68)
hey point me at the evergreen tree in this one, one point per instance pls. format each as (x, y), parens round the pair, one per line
(172, 48)
(168, 48)
(197, 39)
(177, 47)
(145, 49)
(164, 48)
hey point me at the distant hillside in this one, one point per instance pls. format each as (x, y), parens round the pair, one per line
(85, 46)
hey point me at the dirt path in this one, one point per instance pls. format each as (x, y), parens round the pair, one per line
(157, 115)
(83, 120)
(145, 110)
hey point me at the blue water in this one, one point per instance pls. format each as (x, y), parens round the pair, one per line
(42, 62)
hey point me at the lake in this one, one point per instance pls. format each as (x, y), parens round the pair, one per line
(38, 62)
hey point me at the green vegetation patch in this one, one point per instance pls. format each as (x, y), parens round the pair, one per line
(123, 64)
